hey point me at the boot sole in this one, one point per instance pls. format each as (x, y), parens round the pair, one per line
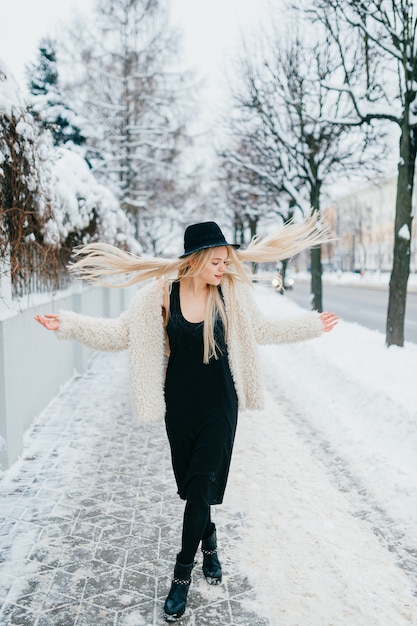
(213, 581)
(172, 618)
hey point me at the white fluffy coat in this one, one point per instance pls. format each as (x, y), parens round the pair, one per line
(141, 330)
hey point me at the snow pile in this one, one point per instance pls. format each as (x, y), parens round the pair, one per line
(78, 199)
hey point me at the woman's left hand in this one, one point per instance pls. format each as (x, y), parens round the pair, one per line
(329, 321)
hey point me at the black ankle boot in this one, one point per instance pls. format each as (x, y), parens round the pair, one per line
(212, 569)
(176, 601)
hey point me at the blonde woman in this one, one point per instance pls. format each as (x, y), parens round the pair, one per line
(201, 313)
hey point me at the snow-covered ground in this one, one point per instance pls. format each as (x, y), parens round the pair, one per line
(328, 475)
(377, 280)
(321, 505)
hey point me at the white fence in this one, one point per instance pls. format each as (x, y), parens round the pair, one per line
(34, 364)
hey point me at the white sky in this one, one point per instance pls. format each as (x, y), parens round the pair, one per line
(211, 29)
(24, 22)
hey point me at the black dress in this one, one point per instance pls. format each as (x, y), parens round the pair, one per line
(201, 413)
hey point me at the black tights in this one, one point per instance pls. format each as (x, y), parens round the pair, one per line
(197, 525)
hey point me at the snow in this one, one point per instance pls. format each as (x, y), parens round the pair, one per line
(62, 179)
(26, 130)
(77, 194)
(373, 279)
(404, 232)
(327, 476)
(10, 96)
(323, 479)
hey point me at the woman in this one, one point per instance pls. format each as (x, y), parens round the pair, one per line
(206, 321)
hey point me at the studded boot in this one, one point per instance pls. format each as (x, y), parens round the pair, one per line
(176, 601)
(212, 569)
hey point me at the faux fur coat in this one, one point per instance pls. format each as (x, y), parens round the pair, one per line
(141, 330)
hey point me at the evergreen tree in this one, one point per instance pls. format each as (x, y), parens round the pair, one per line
(48, 106)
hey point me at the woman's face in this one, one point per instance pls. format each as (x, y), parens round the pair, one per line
(212, 272)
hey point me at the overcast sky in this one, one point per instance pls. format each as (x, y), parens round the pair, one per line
(211, 28)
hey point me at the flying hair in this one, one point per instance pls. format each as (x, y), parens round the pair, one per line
(287, 242)
(96, 262)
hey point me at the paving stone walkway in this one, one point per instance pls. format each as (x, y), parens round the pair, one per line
(90, 521)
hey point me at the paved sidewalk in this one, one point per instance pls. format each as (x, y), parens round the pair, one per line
(90, 521)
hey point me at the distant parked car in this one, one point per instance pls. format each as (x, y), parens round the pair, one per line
(281, 287)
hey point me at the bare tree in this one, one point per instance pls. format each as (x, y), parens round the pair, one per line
(127, 81)
(379, 37)
(292, 150)
(247, 195)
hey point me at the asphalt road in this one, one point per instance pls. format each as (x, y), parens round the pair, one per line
(363, 305)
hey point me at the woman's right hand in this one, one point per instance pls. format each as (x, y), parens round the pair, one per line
(51, 322)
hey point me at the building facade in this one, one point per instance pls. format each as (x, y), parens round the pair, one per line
(363, 221)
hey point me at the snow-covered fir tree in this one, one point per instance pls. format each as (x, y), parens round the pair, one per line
(48, 104)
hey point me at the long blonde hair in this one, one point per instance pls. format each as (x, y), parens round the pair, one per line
(96, 261)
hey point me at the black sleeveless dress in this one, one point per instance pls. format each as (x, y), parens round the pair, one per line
(201, 407)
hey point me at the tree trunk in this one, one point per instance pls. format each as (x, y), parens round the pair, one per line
(402, 242)
(283, 271)
(315, 257)
(253, 226)
(239, 230)
(316, 282)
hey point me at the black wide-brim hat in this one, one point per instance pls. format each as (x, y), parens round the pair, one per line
(202, 236)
